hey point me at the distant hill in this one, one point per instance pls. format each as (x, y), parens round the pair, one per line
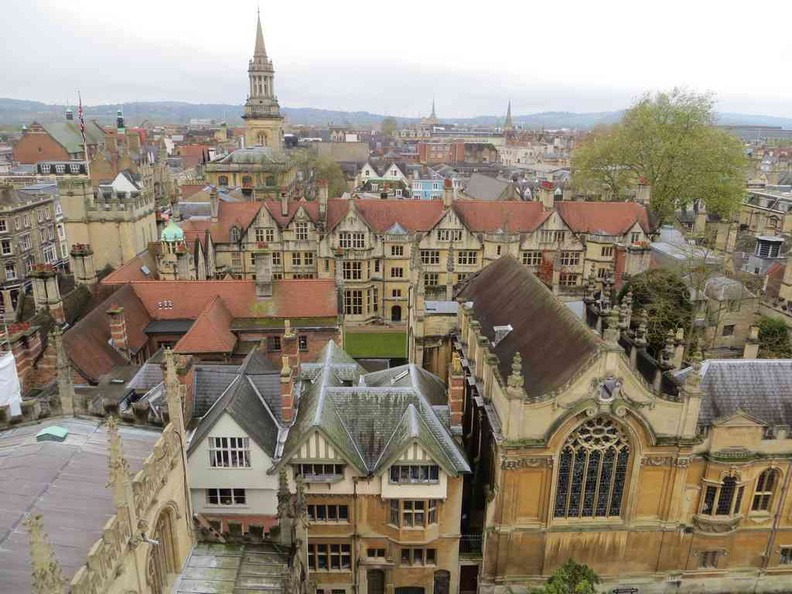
(15, 112)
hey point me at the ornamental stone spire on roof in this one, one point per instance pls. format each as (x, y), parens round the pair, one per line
(508, 123)
(46, 570)
(260, 49)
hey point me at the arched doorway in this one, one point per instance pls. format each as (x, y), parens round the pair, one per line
(162, 557)
(396, 313)
(376, 581)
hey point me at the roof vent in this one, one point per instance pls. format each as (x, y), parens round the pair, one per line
(500, 333)
(53, 433)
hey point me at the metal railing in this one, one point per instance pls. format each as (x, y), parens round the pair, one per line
(470, 545)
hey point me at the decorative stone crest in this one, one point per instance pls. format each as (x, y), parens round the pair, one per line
(516, 464)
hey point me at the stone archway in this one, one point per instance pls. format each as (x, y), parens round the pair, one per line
(396, 313)
(162, 558)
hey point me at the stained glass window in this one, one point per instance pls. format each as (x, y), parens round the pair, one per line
(592, 470)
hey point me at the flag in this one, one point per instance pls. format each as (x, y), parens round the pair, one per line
(80, 117)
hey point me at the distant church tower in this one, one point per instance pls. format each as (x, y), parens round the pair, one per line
(263, 120)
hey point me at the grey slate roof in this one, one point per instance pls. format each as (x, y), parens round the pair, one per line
(761, 388)
(484, 187)
(67, 133)
(370, 418)
(245, 401)
(551, 339)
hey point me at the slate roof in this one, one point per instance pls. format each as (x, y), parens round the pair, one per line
(371, 418)
(68, 135)
(245, 402)
(552, 341)
(762, 388)
(484, 187)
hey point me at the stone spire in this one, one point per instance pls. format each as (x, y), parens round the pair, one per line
(434, 114)
(46, 570)
(508, 124)
(64, 371)
(260, 50)
(640, 333)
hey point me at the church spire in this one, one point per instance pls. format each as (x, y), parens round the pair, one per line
(434, 115)
(508, 124)
(260, 50)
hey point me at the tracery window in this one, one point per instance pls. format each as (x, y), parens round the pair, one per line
(592, 471)
(765, 487)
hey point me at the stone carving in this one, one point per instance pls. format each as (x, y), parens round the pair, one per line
(546, 462)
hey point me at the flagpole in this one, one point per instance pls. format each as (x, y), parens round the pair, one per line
(81, 119)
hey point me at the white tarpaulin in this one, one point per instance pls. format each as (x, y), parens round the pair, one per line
(10, 392)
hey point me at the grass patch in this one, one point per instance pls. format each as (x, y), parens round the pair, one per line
(376, 345)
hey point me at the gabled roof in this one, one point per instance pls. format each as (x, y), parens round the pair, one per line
(211, 332)
(133, 270)
(413, 215)
(484, 187)
(67, 134)
(244, 401)
(88, 341)
(230, 214)
(761, 388)
(551, 340)
(509, 217)
(367, 416)
(608, 218)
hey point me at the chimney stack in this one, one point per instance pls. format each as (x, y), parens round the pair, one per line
(448, 193)
(118, 330)
(290, 345)
(751, 349)
(214, 201)
(263, 273)
(46, 293)
(324, 195)
(82, 264)
(284, 199)
(287, 391)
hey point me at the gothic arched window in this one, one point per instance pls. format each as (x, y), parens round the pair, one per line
(765, 488)
(592, 471)
(235, 235)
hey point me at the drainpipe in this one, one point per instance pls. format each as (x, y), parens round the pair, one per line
(776, 520)
(355, 535)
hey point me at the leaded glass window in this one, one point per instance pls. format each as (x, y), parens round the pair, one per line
(592, 471)
(724, 499)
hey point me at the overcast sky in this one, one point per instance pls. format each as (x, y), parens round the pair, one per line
(392, 58)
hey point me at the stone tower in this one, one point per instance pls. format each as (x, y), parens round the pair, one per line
(263, 120)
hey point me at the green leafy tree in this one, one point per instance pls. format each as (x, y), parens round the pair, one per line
(389, 126)
(774, 340)
(327, 170)
(666, 299)
(668, 141)
(571, 578)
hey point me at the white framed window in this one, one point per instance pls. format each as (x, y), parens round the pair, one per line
(352, 270)
(532, 258)
(414, 473)
(570, 258)
(49, 254)
(431, 279)
(449, 234)
(5, 247)
(785, 558)
(3, 226)
(276, 258)
(260, 235)
(226, 497)
(348, 239)
(607, 251)
(24, 241)
(301, 231)
(60, 168)
(430, 256)
(10, 271)
(296, 258)
(229, 452)
(467, 257)
(236, 260)
(353, 303)
(397, 250)
(26, 220)
(269, 235)
(397, 272)
(418, 556)
(74, 168)
(328, 513)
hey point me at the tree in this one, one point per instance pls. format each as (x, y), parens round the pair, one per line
(571, 578)
(389, 126)
(774, 340)
(327, 170)
(665, 297)
(666, 141)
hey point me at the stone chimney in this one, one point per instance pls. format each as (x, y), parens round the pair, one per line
(751, 349)
(82, 264)
(64, 373)
(547, 195)
(290, 345)
(25, 346)
(284, 200)
(118, 329)
(448, 193)
(287, 391)
(263, 273)
(324, 195)
(456, 390)
(46, 293)
(214, 201)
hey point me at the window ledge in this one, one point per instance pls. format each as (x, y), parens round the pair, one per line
(716, 524)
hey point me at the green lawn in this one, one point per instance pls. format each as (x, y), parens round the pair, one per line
(376, 345)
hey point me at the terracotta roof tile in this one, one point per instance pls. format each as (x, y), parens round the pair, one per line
(413, 215)
(188, 190)
(512, 216)
(211, 331)
(131, 270)
(610, 218)
(88, 341)
(298, 298)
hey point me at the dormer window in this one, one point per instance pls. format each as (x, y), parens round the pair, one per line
(320, 473)
(235, 235)
(414, 473)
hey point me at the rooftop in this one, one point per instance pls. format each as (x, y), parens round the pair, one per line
(63, 481)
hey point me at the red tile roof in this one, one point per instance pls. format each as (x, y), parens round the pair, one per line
(131, 270)
(413, 215)
(88, 341)
(509, 216)
(240, 214)
(611, 218)
(188, 190)
(211, 332)
(298, 298)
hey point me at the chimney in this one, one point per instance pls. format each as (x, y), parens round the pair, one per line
(185, 373)
(46, 293)
(547, 195)
(214, 201)
(324, 195)
(456, 390)
(287, 391)
(290, 346)
(751, 349)
(284, 200)
(82, 264)
(118, 330)
(448, 193)
(25, 346)
(263, 273)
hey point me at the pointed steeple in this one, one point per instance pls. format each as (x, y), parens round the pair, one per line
(508, 124)
(434, 114)
(260, 50)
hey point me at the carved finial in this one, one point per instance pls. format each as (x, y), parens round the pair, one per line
(693, 379)
(45, 568)
(300, 507)
(284, 495)
(612, 332)
(667, 356)
(118, 466)
(516, 379)
(173, 392)
(286, 370)
(456, 363)
(288, 331)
